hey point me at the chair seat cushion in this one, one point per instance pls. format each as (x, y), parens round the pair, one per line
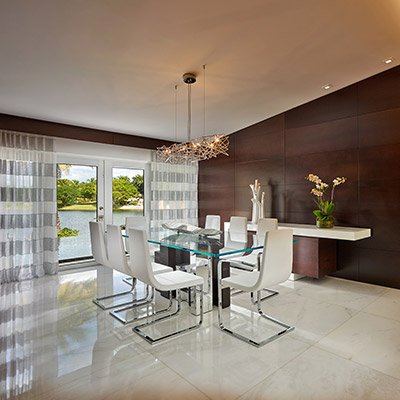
(177, 280)
(244, 281)
(160, 268)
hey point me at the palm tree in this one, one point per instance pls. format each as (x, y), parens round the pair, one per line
(61, 169)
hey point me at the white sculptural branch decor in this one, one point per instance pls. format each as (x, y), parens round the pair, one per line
(258, 201)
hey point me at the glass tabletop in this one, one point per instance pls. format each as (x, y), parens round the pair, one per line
(223, 244)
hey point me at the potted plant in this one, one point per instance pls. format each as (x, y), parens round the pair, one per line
(325, 219)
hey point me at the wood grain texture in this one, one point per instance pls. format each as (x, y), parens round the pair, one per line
(314, 257)
(353, 132)
(385, 122)
(260, 141)
(380, 92)
(380, 163)
(380, 267)
(337, 105)
(325, 137)
(47, 128)
(267, 172)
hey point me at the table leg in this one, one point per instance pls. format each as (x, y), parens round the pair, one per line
(226, 296)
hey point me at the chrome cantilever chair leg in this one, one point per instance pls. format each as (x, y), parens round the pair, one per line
(146, 300)
(271, 292)
(149, 339)
(288, 328)
(98, 300)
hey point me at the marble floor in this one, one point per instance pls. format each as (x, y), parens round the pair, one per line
(56, 344)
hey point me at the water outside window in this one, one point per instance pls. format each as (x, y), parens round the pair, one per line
(127, 193)
(76, 206)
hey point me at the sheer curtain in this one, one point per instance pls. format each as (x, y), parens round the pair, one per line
(28, 207)
(173, 195)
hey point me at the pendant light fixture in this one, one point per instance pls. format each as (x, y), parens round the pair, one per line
(198, 149)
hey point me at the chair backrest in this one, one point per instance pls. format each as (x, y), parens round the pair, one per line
(115, 249)
(213, 222)
(277, 259)
(138, 222)
(139, 262)
(266, 224)
(238, 225)
(98, 244)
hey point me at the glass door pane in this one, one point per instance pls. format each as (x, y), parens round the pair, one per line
(76, 206)
(127, 193)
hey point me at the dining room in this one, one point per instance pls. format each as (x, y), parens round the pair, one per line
(194, 205)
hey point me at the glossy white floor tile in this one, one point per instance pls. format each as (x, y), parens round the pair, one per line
(369, 340)
(56, 344)
(319, 375)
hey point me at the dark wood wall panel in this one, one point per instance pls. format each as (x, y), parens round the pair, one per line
(319, 138)
(380, 162)
(340, 104)
(327, 166)
(47, 128)
(353, 132)
(260, 141)
(381, 267)
(270, 171)
(379, 92)
(385, 122)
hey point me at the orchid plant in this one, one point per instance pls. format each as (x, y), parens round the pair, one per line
(325, 207)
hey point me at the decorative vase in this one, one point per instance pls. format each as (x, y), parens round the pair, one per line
(326, 224)
(255, 214)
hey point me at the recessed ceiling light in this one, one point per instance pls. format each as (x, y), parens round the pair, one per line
(327, 87)
(388, 60)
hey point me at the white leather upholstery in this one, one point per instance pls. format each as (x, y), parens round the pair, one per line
(98, 244)
(276, 264)
(213, 222)
(140, 265)
(117, 257)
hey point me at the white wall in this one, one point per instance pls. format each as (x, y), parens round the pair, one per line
(99, 150)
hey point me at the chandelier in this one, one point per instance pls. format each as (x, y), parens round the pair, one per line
(199, 149)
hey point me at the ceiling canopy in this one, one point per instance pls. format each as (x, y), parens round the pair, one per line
(113, 65)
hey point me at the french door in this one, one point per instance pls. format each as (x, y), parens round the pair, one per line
(94, 190)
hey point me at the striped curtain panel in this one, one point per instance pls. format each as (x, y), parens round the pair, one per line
(28, 207)
(173, 193)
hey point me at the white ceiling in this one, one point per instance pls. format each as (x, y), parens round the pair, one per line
(113, 64)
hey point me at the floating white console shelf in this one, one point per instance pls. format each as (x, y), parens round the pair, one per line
(338, 232)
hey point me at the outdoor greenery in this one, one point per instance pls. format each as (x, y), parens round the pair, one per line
(73, 195)
(72, 192)
(67, 232)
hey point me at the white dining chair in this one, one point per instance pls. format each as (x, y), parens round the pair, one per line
(99, 253)
(213, 222)
(249, 261)
(138, 222)
(275, 268)
(236, 237)
(117, 258)
(141, 267)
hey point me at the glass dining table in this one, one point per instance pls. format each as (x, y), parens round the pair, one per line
(189, 251)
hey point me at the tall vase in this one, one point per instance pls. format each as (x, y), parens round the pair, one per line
(255, 213)
(261, 206)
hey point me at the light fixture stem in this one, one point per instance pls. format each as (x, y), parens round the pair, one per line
(189, 112)
(176, 113)
(204, 100)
